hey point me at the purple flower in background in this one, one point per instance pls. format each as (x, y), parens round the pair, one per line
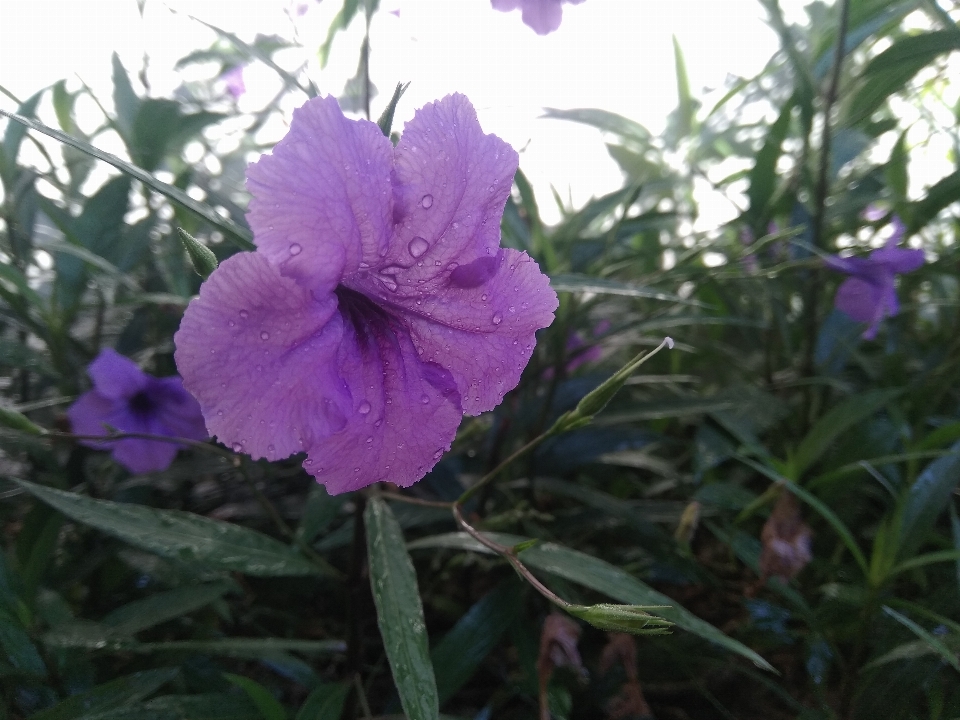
(126, 398)
(869, 295)
(234, 81)
(543, 16)
(379, 306)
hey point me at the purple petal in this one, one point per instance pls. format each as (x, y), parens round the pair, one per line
(849, 265)
(899, 231)
(859, 299)
(405, 411)
(505, 5)
(484, 335)
(234, 81)
(143, 456)
(89, 413)
(321, 199)
(258, 352)
(176, 410)
(898, 260)
(543, 16)
(115, 376)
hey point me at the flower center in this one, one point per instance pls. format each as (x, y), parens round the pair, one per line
(141, 403)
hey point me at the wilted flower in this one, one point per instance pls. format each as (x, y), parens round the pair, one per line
(558, 648)
(543, 16)
(786, 540)
(379, 306)
(869, 295)
(233, 78)
(127, 399)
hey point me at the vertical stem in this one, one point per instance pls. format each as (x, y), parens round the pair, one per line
(355, 596)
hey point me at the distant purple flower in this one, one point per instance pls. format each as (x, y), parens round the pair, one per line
(126, 398)
(379, 306)
(869, 295)
(543, 16)
(234, 81)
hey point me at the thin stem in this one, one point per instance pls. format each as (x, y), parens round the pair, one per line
(112, 437)
(446, 505)
(362, 696)
(472, 490)
(355, 599)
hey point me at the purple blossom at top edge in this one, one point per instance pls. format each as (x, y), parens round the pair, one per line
(544, 16)
(127, 399)
(869, 295)
(233, 79)
(378, 308)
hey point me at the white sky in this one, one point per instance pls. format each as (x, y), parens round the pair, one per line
(612, 54)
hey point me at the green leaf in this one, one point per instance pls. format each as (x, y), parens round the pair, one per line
(209, 706)
(943, 193)
(763, 175)
(928, 639)
(12, 139)
(125, 100)
(325, 702)
(842, 417)
(321, 510)
(118, 693)
(892, 69)
(400, 613)
(576, 283)
(18, 648)
(18, 421)
(458, 655)
(161, 128)
(600, 576)
(686, 106)
(927, 498)
(602, 120)
(180, 535)
(240, 236)
(340, 22)
(161, 607)
(267, 704)
(385, 123)
(895, 172)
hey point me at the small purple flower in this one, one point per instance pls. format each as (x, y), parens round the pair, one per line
(869, 295)
(378, 307)
(234, 81)
(543, 16)
(126, 398)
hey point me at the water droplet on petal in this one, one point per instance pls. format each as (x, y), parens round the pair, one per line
(356, 470)
(219, 413)
(237, 447)
(295, 248)
(389, 283)
(438, 454)
(264, 335)
(483, 297)
(426, 201)
(424, 399)
(390, 270)
(271, 448)
(232, 323)
(370, 439)
(364, 408)
(244, 314)
(497, 318)
(418, 246)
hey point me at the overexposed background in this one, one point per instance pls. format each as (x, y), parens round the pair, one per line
(612, 54)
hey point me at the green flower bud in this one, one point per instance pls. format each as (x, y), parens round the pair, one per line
(201, 257)
(622, 618)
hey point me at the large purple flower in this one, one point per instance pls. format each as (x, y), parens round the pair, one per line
(543, 16)
(126, 398)
(379, 306)
(869, 295)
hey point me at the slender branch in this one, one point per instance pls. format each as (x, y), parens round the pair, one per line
(113, 437)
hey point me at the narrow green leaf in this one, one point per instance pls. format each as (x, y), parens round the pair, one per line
(925, 637)
(340, 22)
(928, 497)
(208, 706)
(597, 575)
(161, 607)
(458, 655)
(180, 535)
(12, 139)
(942, 194)
(118, 693)
(602, 120)
(686, 105)
(125, 101)
(325, 702)
(385, 123)
(848, 413)
(269, 707)
(763, 175)
(895, 172)
(19, 649)
(18, 421)
(400, 613)
(240, 236)
(322, 509)
(576, 283)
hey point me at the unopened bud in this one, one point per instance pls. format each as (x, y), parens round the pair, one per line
(622, 618)
(201, 257)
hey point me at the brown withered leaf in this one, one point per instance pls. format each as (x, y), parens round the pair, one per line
(629, 702)
(558, 648)
(786, 540)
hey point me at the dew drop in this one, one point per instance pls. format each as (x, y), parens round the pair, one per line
(244, 314)
(370, 439)
(497, 318)
(438, 454)
(418, 246)
(264, 335)
(424, 399)
(364, 408)
(391, 270)
(356, 470)
(427, 202)
(219, 413)
(237, 447)
(483, 297)
(437, 263)
(512, 309)
(232, 323)
(389, 283)
(295, 248)
(271, 448)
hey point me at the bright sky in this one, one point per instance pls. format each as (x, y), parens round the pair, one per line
(612, 54)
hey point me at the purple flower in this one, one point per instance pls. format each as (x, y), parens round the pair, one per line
(869, 295)
(234, 81)
(126, 398)
(543, 16)
(379, 306)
